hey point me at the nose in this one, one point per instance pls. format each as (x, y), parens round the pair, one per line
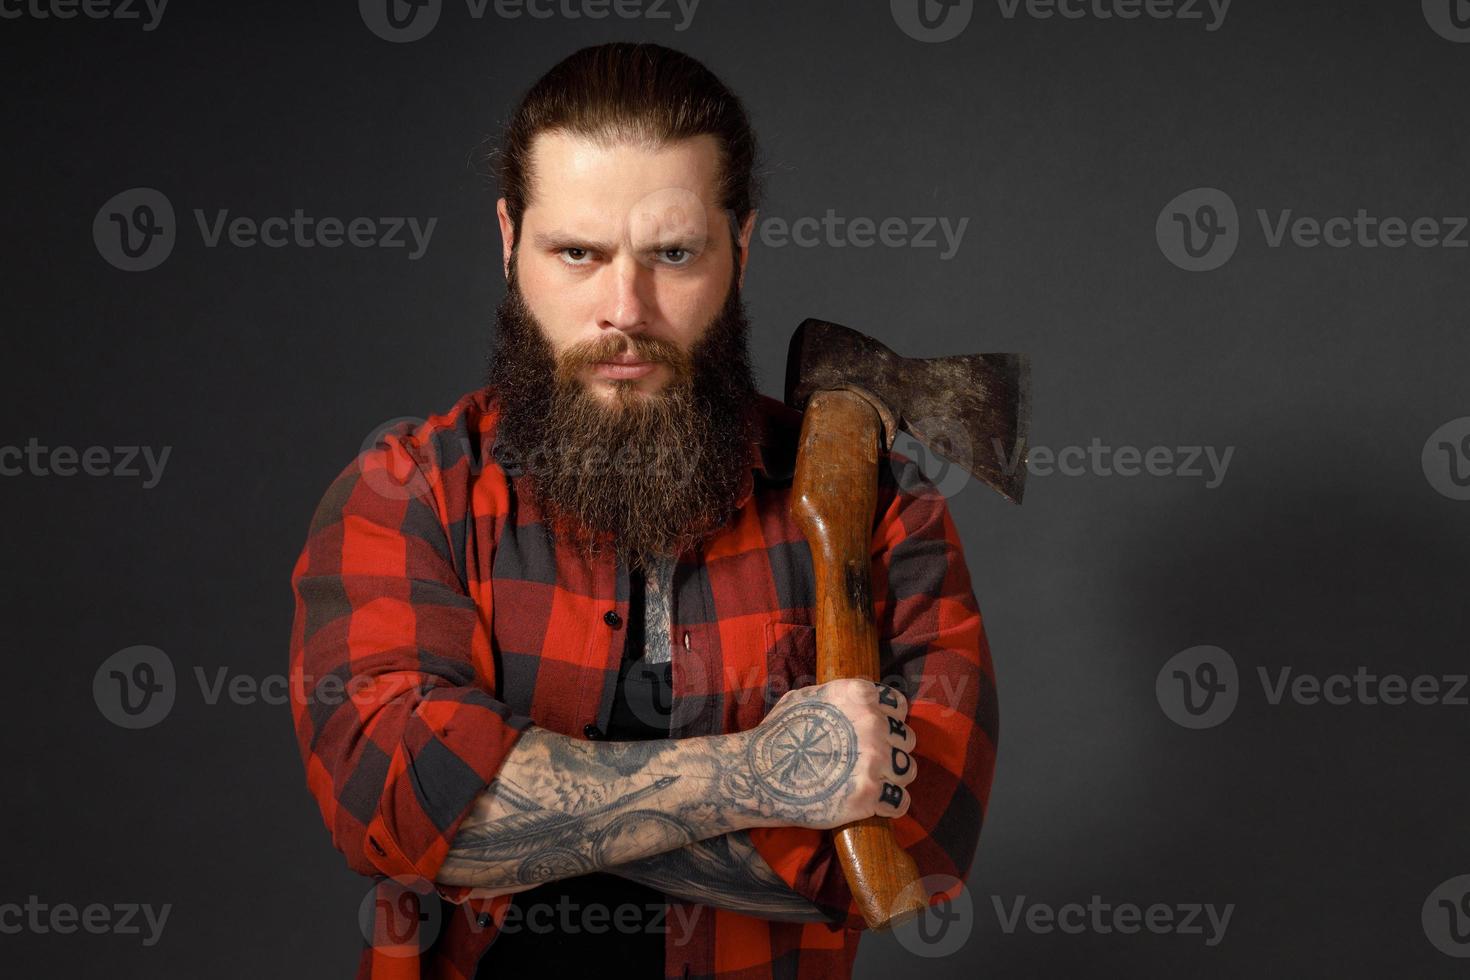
(625, 303)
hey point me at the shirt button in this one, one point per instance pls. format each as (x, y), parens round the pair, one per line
(686, 639)
(592, 731)
(612, 619)
(484, 919)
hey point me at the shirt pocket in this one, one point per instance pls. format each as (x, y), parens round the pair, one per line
(791, 660)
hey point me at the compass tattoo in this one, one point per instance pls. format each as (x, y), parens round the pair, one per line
(807, 757)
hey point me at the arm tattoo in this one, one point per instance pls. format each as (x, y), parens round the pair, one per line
(562, 807)
(566, 810)
(726, 872)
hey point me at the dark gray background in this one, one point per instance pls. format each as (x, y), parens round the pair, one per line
(1324, 548)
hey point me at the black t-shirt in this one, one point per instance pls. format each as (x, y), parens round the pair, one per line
(553, 935)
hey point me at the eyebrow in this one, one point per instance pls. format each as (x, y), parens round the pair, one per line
(558, 240)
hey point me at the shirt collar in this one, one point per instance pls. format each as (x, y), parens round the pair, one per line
(773, 445)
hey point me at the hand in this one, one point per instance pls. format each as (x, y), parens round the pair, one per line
(828, 755)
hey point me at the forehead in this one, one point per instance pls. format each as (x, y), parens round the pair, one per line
(577, 178)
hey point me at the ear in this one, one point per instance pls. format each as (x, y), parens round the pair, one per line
(507, 236)
(746, 230)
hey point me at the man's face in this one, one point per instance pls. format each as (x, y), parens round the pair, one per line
(624, 257)
(622, 370)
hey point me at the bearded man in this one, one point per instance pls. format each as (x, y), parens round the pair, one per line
(575, 615)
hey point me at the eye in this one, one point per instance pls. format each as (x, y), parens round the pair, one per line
(574, 256)
(676, 256)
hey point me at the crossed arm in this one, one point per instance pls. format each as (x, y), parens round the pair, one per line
(660, 813)
(672, 813)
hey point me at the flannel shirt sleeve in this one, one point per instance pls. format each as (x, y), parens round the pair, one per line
(932, 644)
(391, 673)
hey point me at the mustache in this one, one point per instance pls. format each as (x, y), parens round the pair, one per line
(653, 349)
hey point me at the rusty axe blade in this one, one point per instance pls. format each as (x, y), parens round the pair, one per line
(972, 409)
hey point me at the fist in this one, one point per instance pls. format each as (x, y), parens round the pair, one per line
(834, 753)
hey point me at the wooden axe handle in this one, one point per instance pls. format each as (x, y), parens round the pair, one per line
(833, 499)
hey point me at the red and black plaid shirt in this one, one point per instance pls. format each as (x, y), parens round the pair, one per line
(435, 620)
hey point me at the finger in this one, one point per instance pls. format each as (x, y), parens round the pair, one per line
(891, 700)
(893, 800)
(903, 765)
(901, 734)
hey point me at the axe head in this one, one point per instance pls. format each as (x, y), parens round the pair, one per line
(972, 409)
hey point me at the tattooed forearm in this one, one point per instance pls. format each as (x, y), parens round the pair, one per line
(561, 807)
(725, 872)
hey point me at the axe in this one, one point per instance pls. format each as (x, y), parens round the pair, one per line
(855, 395)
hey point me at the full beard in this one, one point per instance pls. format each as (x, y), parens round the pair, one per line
(640, 475)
